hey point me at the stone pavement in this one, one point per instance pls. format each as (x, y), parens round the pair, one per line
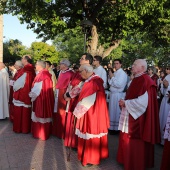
(23, 152)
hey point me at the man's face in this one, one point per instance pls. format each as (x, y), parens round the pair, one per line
(117, 65)
(136, 67)
(37, 67)
(83, 60)
(23, 60)
(83, 73)
(47, 66)
(95, 62)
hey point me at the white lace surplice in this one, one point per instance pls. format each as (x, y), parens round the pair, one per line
(135, 107)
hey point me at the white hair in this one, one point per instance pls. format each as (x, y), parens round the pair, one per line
(19, 63)
(143, 63)
(65, 62)
(41, 63)
(87, 67)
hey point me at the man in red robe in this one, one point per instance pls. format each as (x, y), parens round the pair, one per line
(18, 66)
(59, 116)
(71, 96)
(21, 100)
(42, 96)
(92, 119)
(139, 121)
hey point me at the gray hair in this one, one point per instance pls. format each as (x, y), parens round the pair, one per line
(41, 63)
(19, 63)
(87, 67)
(65, 62)
(143, 63)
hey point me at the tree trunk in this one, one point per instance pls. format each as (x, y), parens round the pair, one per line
(1, 38)
(95, 48)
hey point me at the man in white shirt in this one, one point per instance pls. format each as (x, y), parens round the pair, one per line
(4, 91)
(117, 82)
(99, 70)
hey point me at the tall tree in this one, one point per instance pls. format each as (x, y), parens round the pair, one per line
(111, 19)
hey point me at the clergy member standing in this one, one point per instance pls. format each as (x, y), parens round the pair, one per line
(71, 96)
(4, 92)
(59, 115)
(92, 119)
(18, 66)
(22, 102)
(139, 121)
(42, 96)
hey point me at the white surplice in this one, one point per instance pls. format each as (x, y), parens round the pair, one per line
(4, 94)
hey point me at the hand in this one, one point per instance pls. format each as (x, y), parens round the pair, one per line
(67, 99)
(122, 103)
(111, 74)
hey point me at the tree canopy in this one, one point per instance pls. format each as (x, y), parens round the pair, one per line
(112, 19)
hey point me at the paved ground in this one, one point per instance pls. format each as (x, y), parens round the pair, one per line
(23, 152)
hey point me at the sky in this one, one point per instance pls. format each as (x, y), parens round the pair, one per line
(14, 30)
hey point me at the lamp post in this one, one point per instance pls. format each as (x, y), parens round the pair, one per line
(86, 28)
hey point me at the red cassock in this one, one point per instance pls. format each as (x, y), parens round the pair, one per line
(58, 127)
(22, 101)
(43, 106)
(71, 139)
(92, 122)
(165, 164)
(11, 107)
(136, 148)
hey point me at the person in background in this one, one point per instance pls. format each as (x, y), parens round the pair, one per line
(117, 82)
(4, 92)
(165, 164)
(12, 70)
(53, 77)
(165, 106)
(59, 116)
(18, 66)
(56, 69)
(42, 97)
(21, 100)
(92, 119)
(99, 70)
(152, 73)
(139, 121)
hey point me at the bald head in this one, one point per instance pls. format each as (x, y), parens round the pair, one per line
(2, 65)
(139, 66)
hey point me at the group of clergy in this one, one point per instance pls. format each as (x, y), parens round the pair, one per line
(76, 111)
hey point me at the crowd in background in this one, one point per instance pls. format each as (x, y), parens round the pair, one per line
(83, 103)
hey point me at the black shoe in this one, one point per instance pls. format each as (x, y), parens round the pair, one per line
(87, 165)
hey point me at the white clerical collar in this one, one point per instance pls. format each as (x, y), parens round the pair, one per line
(64, 71)
(93, 75)
(138, 75)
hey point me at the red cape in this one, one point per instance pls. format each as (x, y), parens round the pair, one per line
(146, 127)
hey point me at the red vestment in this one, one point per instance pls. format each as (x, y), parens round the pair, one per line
(136, 148)
(71, 139)
(43, 106)
(92, 123)
(58, 127)
(22, 101)
(11, 107)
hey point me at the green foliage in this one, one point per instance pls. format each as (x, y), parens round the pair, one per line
(14, 50)
(113, 19)
(70, 44)
(43, 51)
